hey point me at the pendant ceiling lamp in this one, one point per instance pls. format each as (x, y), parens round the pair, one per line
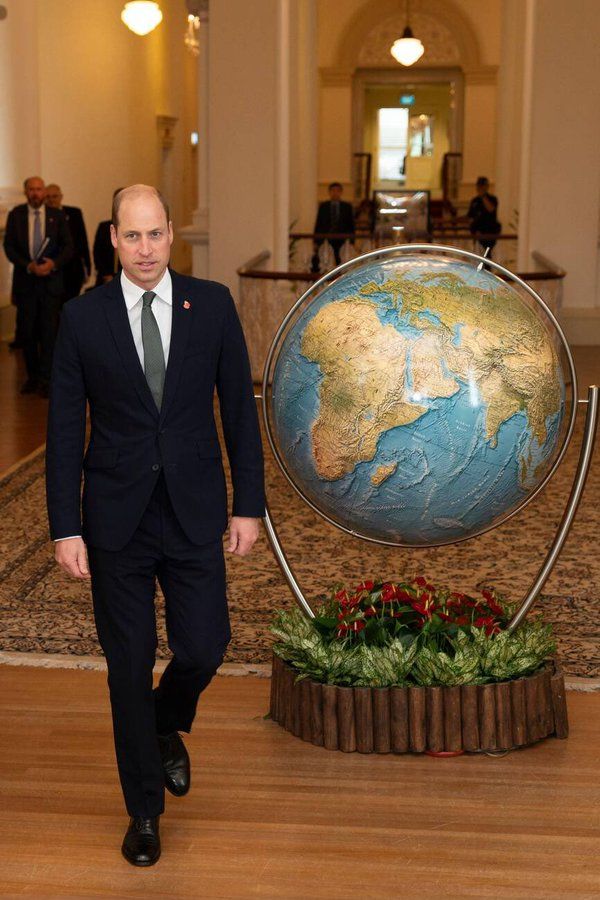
(141, 16)
(407, 49)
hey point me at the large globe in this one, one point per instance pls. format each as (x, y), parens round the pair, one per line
(417, 400)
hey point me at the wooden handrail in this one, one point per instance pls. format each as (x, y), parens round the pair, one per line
(245, 272)
(266, 275)
(301, 235)
(249, 270)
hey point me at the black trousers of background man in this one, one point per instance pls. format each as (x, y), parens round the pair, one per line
(192, 578)
(336, 245)
(37, 324)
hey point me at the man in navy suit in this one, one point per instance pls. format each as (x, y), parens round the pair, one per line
(79, 267)
(146, 352)
(38, 243)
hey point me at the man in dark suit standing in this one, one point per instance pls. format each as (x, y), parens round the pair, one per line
(146, 351)
(334, 216)
(78, 269)
(106, 258)
(38, 244)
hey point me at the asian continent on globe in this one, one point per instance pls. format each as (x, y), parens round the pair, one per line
(418, 401)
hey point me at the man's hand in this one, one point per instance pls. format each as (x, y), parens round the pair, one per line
(243, 533)
(45, 267)
(71, 556)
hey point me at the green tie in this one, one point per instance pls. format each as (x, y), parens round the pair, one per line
(154, 360)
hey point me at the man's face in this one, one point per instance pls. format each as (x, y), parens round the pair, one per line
(143, 239)
(35, 192)
(335, 192)
(482, 188)
(54, 196)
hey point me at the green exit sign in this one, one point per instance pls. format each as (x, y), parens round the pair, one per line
(407, 99)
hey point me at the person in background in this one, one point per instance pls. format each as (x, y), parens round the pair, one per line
(482, 215)
(335, 216)
(106, 260)
(38, 244)
(78, 269)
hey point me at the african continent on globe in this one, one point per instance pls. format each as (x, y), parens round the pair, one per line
(418, 400)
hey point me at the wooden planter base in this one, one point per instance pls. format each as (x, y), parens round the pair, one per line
(499, 716)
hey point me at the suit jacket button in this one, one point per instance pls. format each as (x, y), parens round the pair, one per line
(155, 467)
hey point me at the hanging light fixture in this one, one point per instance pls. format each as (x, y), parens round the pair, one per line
(407, 49)
(141, 16)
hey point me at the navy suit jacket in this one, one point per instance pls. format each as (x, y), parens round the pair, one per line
(323, 224)
(16, 245)
(95, 360)
(81, 249)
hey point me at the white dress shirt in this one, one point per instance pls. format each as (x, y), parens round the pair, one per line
(162, 307)
(30, 222)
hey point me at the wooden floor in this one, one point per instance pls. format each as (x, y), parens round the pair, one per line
(270, 816)
(23, 421)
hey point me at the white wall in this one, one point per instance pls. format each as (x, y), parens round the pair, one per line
(560, 190)
(246, 137)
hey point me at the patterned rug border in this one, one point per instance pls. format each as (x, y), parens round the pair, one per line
(258, 670)
(98, 663)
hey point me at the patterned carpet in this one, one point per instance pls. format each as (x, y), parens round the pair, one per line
(42, 611)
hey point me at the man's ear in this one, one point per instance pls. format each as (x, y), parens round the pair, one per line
(170, 232)
(113, 236)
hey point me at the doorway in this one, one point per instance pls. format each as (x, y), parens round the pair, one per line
(407, 126)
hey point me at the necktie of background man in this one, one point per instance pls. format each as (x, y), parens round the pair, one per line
(37, 234)
(154, 359)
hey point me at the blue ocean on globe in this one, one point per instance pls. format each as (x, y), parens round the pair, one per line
(468, 369)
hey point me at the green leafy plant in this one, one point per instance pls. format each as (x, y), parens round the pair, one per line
(380, 634)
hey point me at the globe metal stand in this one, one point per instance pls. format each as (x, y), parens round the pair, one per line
(590, 428)
(551, 707)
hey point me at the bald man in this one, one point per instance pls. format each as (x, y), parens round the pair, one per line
(146, 352)
(77, 270)
(38, 244)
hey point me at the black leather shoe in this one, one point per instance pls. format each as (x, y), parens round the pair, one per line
(176, 763)
(141, 844)
(30, 386)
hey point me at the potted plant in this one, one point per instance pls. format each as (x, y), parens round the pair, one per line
(409, 666)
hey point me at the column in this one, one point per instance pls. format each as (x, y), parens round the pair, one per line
(19, 124)
(197, 234)
(560, 175)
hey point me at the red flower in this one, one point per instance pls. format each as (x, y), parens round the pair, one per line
(365, 586)
(388, 593)
(487, 622)
(420, 581)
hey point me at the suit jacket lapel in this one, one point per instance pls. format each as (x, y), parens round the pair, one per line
(118, 320)
(181, 326)
(24, 230)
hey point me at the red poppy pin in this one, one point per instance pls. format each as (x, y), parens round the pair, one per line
(187, 304)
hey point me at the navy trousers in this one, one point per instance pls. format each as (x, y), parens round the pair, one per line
(192, 579)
